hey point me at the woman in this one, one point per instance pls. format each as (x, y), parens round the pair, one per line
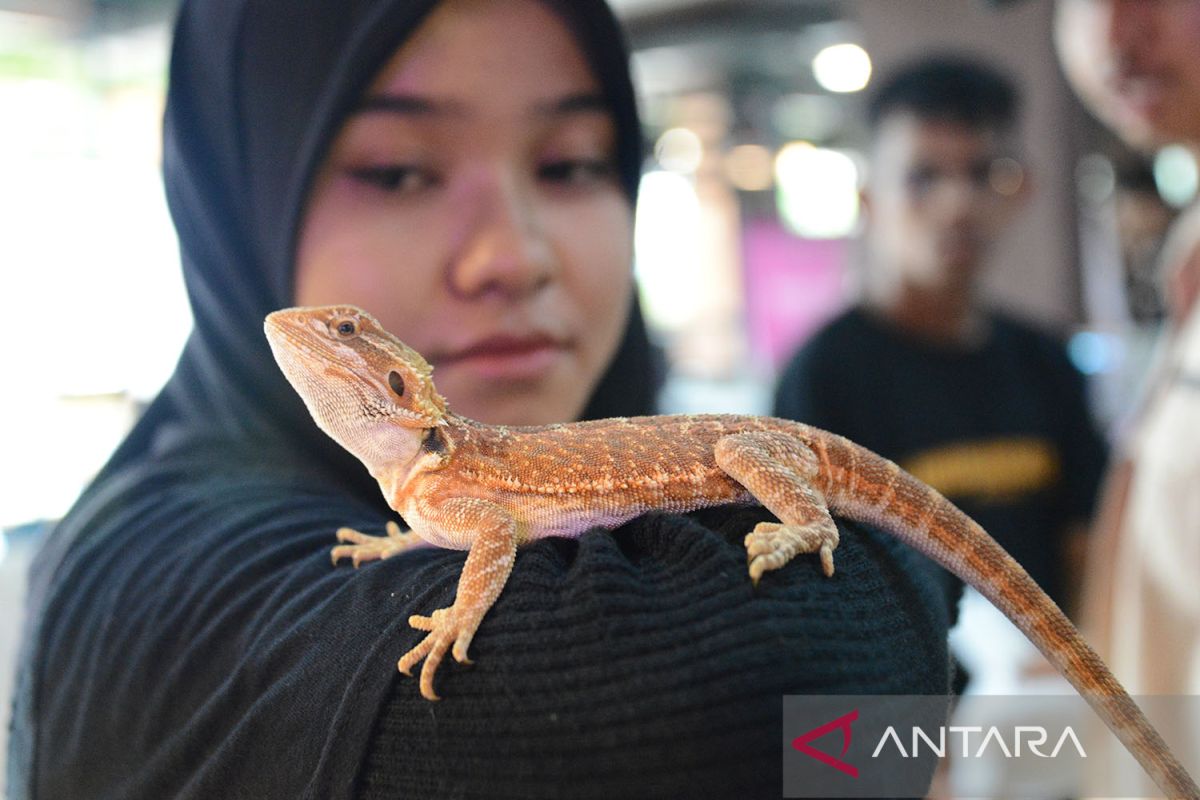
(466, 170)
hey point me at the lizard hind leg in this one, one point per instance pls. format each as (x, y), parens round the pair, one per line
(778, 470)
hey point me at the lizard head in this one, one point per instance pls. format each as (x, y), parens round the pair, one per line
(364, 387)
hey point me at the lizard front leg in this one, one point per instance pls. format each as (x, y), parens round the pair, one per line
(489, 563)
(778, 469)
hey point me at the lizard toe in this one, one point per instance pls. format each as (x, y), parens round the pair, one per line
(420, 622)
(410, 659)
(460, 648)
(441, 643)
(351, 535)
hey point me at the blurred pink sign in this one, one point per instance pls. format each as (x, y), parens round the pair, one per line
(793, 286)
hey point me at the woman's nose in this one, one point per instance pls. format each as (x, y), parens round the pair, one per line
(504, 250)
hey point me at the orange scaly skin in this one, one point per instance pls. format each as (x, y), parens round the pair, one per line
(488, 489)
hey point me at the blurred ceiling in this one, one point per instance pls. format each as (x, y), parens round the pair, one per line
(650, 20)
(653, 23)
(749, 48)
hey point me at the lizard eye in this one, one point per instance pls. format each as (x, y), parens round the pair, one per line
(344, 327)
(396, 382)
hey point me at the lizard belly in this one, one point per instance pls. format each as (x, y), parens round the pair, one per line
(571, 524)
(566, 516)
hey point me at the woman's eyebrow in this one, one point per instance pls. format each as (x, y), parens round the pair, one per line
(408, 105)
(573, 103)
(423, 106)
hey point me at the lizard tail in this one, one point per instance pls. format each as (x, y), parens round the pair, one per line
(866, 487)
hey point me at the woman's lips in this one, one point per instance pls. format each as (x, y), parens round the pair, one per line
(507, 357)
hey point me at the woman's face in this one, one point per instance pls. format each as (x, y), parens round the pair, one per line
(471, 204)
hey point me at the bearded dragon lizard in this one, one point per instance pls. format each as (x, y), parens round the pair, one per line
(488, 489)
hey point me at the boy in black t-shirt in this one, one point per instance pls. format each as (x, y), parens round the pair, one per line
(982, 407)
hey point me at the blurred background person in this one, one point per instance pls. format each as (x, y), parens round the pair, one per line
(984, 407)
(1137, 67)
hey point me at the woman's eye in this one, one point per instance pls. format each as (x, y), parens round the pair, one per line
(393, 177)
(576, 172)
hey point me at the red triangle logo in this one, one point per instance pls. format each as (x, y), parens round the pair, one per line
(842, 723)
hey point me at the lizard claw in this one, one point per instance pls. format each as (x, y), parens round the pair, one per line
(447, 632)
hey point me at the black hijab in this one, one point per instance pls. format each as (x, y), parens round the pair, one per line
(187, 636)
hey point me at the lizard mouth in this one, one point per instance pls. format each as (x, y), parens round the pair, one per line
(286, 347)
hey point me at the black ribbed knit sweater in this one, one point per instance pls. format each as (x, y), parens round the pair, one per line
(197, 642)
